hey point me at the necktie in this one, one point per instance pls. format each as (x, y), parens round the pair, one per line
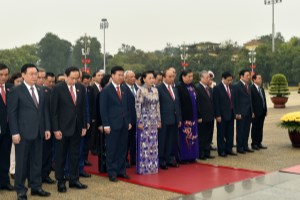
(207, 91)
(262, 97)
(119, 92)
(247, 88)
(229, 95)
(100, 88)
(170, 91)
(3, 94)
(34, 97)
(132, 90)
(73, 95)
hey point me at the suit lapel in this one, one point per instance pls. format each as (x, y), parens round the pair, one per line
(225, 91)
(40, 93)
(167, 91)
(27, 94)
(77, 90)
(202, 89)
(114, 91)
(67, 91)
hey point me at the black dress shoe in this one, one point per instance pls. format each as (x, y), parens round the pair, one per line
(173, 164)
(262, 146)
(124, 176)
(61, 187)
(249, 150)
(113, 179)
(22, 197)
(202, 157)
(48, 180)
(8, 187)
(209, 157)
(77, 185)
(87, 163)
(85, 175)
(231, 153)
(222, 155)
(164, 167)
(255, 147)
(40, 192)
(241, 151)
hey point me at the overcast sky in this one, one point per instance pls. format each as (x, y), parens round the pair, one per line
(146, 24)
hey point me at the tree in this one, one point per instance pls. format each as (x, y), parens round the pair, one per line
(54, 53)
(17, 57)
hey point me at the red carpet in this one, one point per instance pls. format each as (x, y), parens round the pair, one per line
(186, 179)
(293, 170)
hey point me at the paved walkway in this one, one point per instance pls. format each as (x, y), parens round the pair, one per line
(280, 154)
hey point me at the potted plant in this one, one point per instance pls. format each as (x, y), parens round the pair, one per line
(279, 90)
(291, 121)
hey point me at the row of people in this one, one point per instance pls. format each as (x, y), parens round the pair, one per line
(160, 126)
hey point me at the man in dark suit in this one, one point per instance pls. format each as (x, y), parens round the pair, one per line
(29, 122)
(206, 117)
(47, 144)
(243, 111)
(170, 120)
(131, 92)
(5, 137)
(96, 89)
(223, 107)
(259, 105)
(85, 141)
(68, 124)
(115, 117)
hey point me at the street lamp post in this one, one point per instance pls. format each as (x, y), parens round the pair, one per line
(85, 50)
(252, 60)
(184, 55)
(272, 2)
(104, 25)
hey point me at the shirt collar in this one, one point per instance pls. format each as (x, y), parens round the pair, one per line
(242, 81)
(28, 86)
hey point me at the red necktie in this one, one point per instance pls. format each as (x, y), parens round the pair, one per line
(73, 95)
(229, 95)
(247, 88)
(170, 91)
(119, 92)
(3, 94)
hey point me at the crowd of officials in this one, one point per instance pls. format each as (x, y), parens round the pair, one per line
(147, 120)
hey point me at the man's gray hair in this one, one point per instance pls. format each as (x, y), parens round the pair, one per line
(202, 73)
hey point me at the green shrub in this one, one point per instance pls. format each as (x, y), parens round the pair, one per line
(279, 86)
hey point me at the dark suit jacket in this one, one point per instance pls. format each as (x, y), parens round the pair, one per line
(169, 110)
(65, 116)
(257, 102)
(89, 104)
(222, 102)
(24, 117)
(205, 103)
(113, 110)
(3, 110)
(242, 100)
(131, 102)
(95, 92)
(185, 102)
